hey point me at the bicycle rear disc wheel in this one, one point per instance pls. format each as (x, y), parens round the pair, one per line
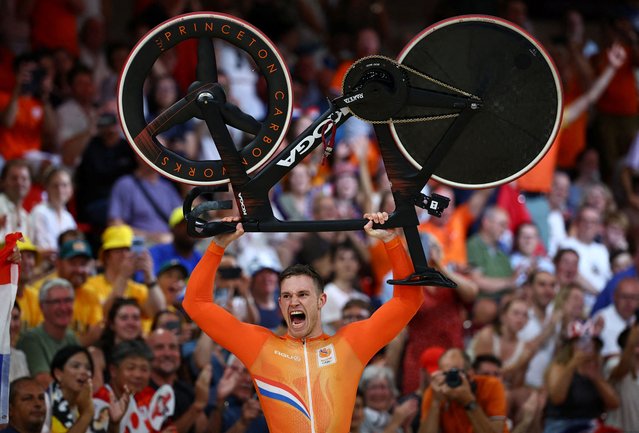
(516, 82)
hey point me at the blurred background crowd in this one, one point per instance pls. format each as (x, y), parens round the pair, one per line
(542, 321)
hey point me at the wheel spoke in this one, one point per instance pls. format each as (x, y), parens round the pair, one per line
(236, 118)
(206, 63)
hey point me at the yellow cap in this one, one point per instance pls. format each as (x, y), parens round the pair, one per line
(117, 237)
(176, 217)
(26, 245)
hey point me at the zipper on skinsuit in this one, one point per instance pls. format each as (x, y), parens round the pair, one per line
(308, 387)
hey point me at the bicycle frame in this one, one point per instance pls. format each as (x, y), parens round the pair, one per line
(251, 193)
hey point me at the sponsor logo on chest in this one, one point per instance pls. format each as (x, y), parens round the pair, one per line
(326, 356)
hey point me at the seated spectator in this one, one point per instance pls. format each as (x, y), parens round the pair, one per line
(559, 213)
(190, 400)
(488, 365)
(18, 367)
(124, 323)
(605, 298)
(502, 341)
(41, 343)
(71, 392)
(578, 394)
(144, 200)
(619, 315)
(15, 182)
(50, 218)
(171, 277)
(527, 254)
(295, 201)
(27, 406)
(264, 286)
(130, 372)
(175, 322)
(233, 287)
(107, 157)
(491, 266)
(382, 411)
(236, 407)
(355, 310)
(120, 263)
(465, 404)
(567, 272)
(344, 286)
(26, 297)
(182, 248)
(622, 374)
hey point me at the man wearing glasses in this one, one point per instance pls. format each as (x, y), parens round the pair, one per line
(42, 342)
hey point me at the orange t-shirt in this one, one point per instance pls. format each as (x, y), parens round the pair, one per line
(573, 136)
(26, 132)
(452, 236)
(54, 25)
(310, 384)
(539, 178)
(491, 398)
(620, 97)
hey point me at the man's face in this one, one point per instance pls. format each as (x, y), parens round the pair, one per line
(265, 281)
(379, 394)
(171, 283)
(544, 289)
(166, 352)
(76, 269)
(496, 225)
(57, 308)
(300, 305)
(28, 411)
(243, 389)
(489, 369)
(588, 225)
(354, 314)
(17, 183)
(133, 372)
(567, 268)
(626, 297)
(83, 88)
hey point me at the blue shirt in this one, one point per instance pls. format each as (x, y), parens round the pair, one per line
(605, 297)
(162, 253)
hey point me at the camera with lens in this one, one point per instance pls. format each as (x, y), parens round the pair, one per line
(453, 378)
(230, 273)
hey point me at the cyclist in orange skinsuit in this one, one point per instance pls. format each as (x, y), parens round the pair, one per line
(306, 380)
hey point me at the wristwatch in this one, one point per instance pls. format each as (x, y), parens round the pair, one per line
(471, 405)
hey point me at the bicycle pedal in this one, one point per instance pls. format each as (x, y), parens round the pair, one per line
(430, 277)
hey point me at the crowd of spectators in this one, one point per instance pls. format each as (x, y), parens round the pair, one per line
(541, 333)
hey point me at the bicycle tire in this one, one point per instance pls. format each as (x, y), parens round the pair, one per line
(517, 83)
(167, 35)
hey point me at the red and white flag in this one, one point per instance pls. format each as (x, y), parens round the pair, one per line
(8, 288)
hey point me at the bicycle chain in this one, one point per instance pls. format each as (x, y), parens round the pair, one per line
(419, 74)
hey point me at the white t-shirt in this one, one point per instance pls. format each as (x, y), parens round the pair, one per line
(626, 416)
(542, 358)
(594, 264)
(335, 301)
(614, 324)
(46, 225)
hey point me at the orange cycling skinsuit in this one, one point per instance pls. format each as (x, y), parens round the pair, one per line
(304, 385)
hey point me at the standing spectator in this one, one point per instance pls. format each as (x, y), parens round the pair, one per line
(51, 218)
(41, 343)
(16, 183)
(77, 116)
(577, 391)
(120, 263)
(144, 200)
(471, 403)
(605, 297)
(189, 400)
(27, 119)
(594, 261)
(181, 248)
(542, 327)
(622, 374)
(54, 23)
(619, 314)
(264, 288)
(558, 216)
(27, 406)
(491, 266)
(107, 158)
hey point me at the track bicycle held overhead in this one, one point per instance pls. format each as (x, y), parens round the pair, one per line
(472, 101)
